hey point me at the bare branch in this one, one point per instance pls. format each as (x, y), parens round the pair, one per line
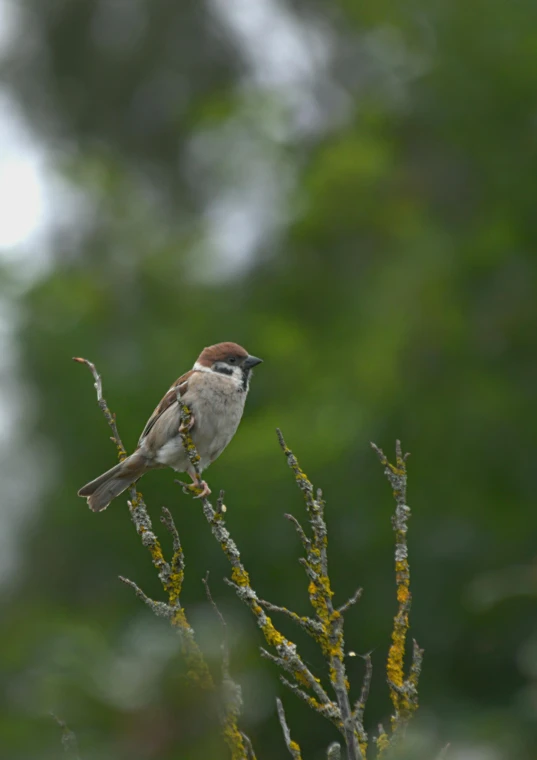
(304, 696)
(293, 747)
(333, 752)
(272, 657)
(231, 692)
(240, 579)
(300, 530)
(225, 639)
(160, 609)
(250, 754)
(313, 627)
(302, 675)
(178, 560)
(403, 691)
(443, 752)
(328, 710)
(110, 418)
(359, 706)
(326, 627)
(69, 741)
(415, 668)
(349, 603)
(331, 638)
(382, 741)
(171, 576)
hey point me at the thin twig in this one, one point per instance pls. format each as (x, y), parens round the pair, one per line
(313, 627)
(359, 706)
(382, 741)
(300, 530)
(69, 741)
(170, 575)
(231, 692)
(331, 639)
(110, 418)
(443, 752)
(225, 638)
(328, 710)
(177, 565)
(240, 581)
(249, 746)
(403, 691)
(333, 752)
(293, 747)
(160, 609)
(349, 603)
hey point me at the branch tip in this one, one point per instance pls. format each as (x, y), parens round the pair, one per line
(333, 752)
(293, 747)
(69, 740)
(349, 603)
(281, 440)
(444, 752)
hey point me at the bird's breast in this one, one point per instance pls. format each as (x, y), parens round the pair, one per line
(217, 404)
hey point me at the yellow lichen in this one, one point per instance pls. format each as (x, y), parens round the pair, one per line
(295, 748)
(301, 679)
(198, 672)
(240, 576)
(233, 738)
(174, 587)
(403, 594)
(314, 704)
(272, 636)
(382, 744)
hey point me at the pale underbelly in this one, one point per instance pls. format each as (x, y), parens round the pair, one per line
(173, 455)
(209, 448)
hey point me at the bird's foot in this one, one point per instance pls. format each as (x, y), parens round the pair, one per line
(188, 427)
(198, 487)
(204, 489)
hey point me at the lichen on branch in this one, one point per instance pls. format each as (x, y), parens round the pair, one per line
(325, 626)
(403, 690)
(171, 576)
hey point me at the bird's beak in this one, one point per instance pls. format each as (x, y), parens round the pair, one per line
(251, 361)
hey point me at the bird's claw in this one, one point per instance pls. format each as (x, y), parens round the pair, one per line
(188, 427)
(205, 490)
(195, 487)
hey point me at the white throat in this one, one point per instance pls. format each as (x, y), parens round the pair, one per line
(201, 367)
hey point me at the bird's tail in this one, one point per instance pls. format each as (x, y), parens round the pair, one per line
(101, 491)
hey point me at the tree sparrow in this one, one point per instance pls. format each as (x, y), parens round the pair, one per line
(215, 391)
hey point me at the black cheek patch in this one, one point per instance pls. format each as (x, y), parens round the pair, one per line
(245, 379)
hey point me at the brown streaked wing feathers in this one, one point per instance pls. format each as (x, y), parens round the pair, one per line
(169, 399)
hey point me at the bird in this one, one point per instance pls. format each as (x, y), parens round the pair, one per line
(215, 391)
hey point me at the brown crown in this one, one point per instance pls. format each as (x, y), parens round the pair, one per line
(219, 352)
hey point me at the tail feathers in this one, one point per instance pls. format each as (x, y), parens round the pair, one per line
(101, 491)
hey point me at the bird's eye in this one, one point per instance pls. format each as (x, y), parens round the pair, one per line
(232, 359)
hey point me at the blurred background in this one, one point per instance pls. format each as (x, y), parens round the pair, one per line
(349, 190)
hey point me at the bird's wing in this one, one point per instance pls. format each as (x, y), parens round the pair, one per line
(169, 399)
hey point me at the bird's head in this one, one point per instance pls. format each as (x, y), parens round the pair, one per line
(228, 359)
